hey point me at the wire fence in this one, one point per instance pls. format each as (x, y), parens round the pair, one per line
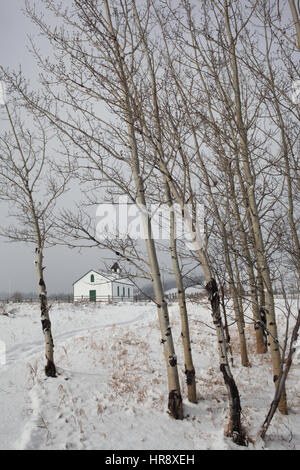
(104, 298)
(119, 299)
(79, 299)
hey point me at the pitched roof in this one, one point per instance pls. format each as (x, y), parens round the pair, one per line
(109, 277)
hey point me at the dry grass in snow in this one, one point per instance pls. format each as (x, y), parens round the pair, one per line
(111, 392)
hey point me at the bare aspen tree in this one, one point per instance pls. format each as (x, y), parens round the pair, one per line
(175, 400)
(31, 188)
(234, 427)
(185, 329)
(239, 142)
(201, 168)
(295, 15)
(260, 343)
(227, 14)
(286, 138)
(235, 134)
(158, 149)
(285, 368)
(104, 74)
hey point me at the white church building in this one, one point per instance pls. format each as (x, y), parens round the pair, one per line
(97, 286)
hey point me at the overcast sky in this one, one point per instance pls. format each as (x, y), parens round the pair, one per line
(63, 266)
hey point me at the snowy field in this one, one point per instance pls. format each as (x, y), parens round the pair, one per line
(111, 392)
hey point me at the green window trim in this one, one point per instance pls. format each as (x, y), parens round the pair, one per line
(92, 278)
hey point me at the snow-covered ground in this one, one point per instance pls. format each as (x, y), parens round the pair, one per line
(111, 392)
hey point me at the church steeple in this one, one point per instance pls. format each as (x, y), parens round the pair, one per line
(115, 268)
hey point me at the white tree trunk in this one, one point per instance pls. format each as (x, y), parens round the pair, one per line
(234, 426)
(175, 399)
(50, 369)
(254, 215)
(185, 330)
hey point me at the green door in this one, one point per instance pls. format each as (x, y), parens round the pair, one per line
(92, 296)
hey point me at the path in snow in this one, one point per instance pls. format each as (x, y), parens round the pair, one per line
(21, 402)
(25, 351)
